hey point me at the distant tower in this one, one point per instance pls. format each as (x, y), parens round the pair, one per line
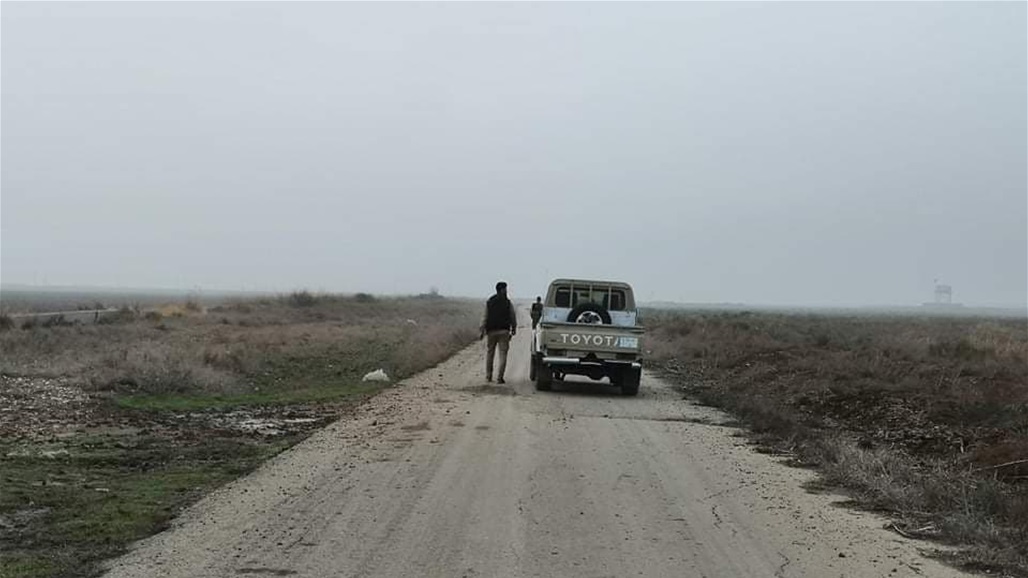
(943, 294)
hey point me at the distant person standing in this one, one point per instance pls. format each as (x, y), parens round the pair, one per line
(499, 324)
(537, 311)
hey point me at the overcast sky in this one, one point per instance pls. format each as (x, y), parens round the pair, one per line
(785, 153)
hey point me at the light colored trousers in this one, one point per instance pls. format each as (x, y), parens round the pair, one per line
(498, 338)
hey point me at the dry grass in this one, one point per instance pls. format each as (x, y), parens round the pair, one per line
(183, 348)
(925, 418)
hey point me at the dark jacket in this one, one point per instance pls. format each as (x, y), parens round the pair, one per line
(499, 314)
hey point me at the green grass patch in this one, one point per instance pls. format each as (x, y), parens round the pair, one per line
(312, 375)
(65, 513)
(26, 565)
(328, 364)
(179, 403)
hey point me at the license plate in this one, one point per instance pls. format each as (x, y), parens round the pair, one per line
(628, 342)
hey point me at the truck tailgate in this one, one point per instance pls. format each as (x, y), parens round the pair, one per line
(584, 337)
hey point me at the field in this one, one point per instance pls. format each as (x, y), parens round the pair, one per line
(923, 418)
(107, 430)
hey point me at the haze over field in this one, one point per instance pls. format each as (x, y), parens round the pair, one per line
(782, 153)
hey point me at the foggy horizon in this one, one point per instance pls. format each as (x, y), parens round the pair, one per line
(842, 154)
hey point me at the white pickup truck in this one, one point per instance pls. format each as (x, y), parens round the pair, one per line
(588, 328)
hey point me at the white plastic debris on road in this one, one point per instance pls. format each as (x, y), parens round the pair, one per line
(377, 375)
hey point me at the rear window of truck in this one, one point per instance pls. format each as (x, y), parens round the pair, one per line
(611, 299)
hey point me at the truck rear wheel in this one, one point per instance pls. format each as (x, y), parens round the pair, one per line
(629, 381)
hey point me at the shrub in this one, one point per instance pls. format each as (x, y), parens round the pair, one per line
(57, 321)
(124, 315)
(302, 299)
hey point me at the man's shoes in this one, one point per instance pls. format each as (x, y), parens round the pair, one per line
(500, 381)
(489, 378)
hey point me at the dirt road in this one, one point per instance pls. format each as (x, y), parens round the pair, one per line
(448, 476)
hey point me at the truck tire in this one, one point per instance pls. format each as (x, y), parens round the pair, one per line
(629, 381)
(589, 313)
(543, 377)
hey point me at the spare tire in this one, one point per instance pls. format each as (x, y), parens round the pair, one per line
(589, 313)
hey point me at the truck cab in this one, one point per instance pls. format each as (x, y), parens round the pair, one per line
(589, 328)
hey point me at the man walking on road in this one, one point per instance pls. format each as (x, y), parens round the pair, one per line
(537, 311)
(499, 324)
